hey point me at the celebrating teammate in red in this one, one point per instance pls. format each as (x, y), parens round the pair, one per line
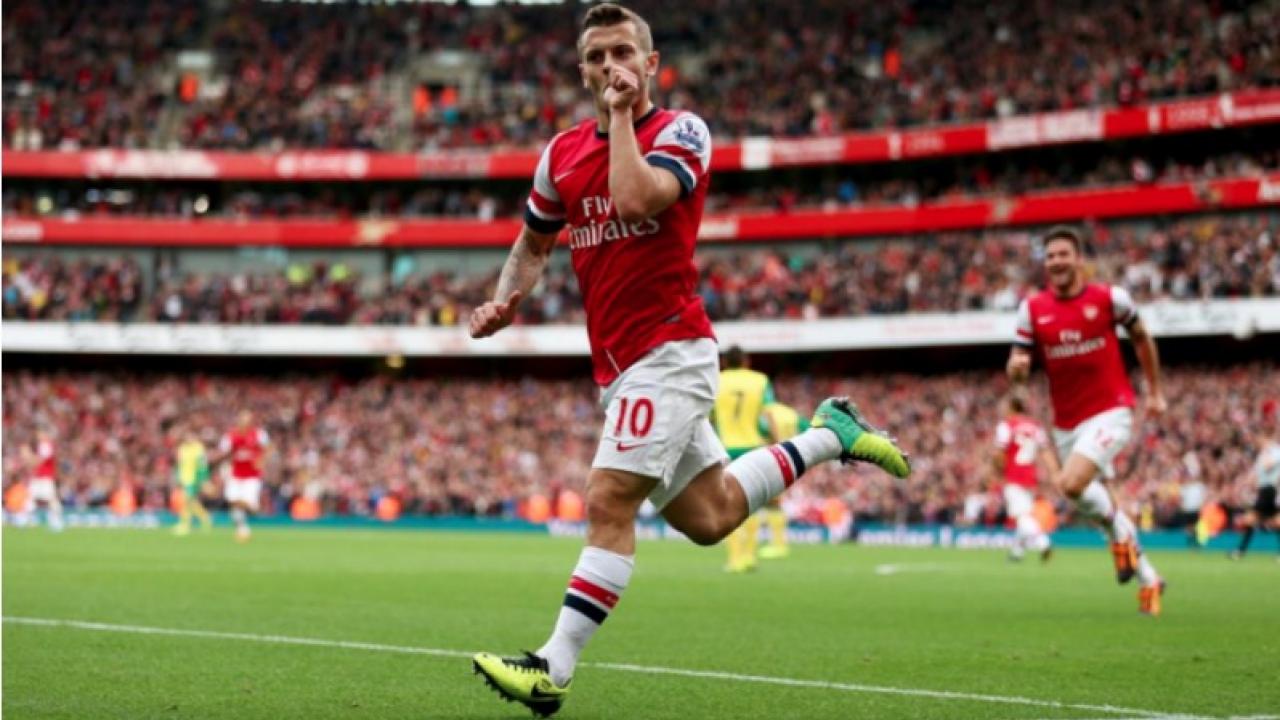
(1071, 327)
(630, 185)
(1020, 443)
(246, 445)
(42, 488)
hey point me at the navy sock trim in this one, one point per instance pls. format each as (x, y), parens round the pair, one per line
(796, 460)
(585, 607)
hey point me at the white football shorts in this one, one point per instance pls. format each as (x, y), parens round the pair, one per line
(1017, 500)
(1100, 438)
(42, 490)
(657, 417)
(243, 490)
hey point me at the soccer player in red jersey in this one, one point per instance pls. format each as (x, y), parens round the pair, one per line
(1070, 326)
(630, 185)
(246, 445)
(1020, 442)
(42, 488)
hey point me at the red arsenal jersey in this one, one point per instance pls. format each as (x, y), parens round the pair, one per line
(1021, 438)
(246, 447)
(638, 280)
(1076, 340)
(47, 467)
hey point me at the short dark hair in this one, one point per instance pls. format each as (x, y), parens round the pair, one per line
(734, 357)
(608, 15)
(1068, 233)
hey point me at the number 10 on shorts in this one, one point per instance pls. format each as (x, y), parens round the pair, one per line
(635, 417)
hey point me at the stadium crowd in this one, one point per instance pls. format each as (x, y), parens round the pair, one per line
(454, 445)
(1201, 257)
(344, 75)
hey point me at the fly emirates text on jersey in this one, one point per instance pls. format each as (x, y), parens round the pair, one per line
(602, 228)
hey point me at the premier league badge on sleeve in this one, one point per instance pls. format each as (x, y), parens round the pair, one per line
(690, 135)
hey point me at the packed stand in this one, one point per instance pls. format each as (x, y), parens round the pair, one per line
(1207, 257)
(1194, 258)
(826, 67)
(342, 75)
(80, 75)
(449, 445)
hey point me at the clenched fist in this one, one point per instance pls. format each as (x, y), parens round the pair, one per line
(1019, 366)
(623, 89)
(1156, 405)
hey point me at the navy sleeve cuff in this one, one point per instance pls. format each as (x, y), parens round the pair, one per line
(539, 225)
(685, 179)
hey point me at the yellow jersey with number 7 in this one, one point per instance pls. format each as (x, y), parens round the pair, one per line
(743, 395)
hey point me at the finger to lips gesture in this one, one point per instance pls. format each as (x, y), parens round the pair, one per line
(623, 89)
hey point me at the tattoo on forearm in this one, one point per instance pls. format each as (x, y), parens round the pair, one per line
(521, 272)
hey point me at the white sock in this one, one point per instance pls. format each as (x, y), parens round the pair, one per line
(1122, 528)
(1147, 574)
(55, 518)
(1019, 547)
(1030, 534)
(239, 518)
(764, 473)
(597, 583)
(1095, 502)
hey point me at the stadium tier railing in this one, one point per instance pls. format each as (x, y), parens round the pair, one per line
(1238, 109)
(1001, 211)
(1241, 318)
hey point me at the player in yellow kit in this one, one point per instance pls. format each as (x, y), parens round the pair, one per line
(783, 423)
(192, 472)
(738, 416)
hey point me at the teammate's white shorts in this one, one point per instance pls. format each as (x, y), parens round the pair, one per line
(656, 417)
(42, 490)
(243, 490)
(1017, 500)
(1100, 438)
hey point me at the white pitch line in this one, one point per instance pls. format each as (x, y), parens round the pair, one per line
(896, 568)
(652, 670)
(1114, 718)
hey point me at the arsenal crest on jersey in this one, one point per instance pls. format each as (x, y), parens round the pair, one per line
(1090, 312)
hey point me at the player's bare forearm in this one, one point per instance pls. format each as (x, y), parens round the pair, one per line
(525, 265)
(997, 463)
(523, 269)
(638, 189)
(1148, 357)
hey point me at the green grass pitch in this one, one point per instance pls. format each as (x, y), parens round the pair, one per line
(940, 634)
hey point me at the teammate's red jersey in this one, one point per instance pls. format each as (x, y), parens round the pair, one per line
(246, 446)
(47, 468)
(1021, 439)
(638, 280)
(1076, 340)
